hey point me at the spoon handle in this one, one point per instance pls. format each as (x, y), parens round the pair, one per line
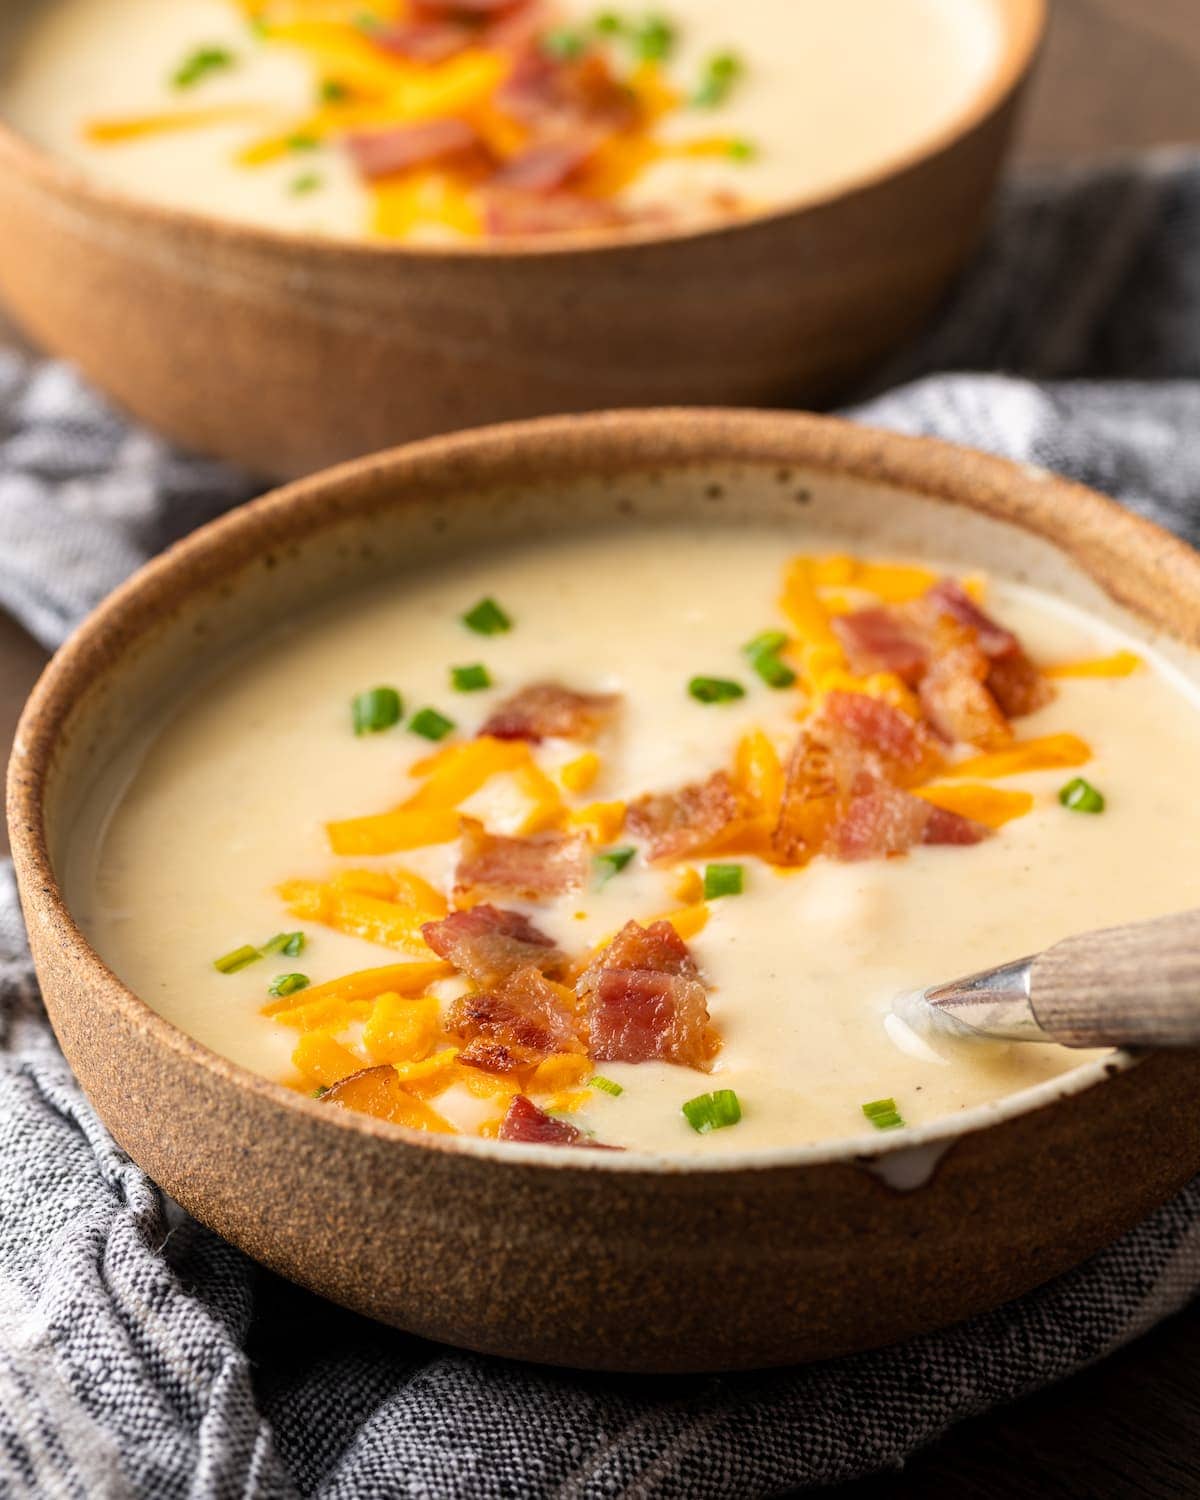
(1132, 986)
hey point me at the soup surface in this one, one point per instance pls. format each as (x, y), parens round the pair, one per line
(394, 842)
(451, 119)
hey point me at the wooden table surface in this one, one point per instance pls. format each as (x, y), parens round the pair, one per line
(1116, 74)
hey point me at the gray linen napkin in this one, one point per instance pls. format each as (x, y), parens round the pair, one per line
(140, 1355)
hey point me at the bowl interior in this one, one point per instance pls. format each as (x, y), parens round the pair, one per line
(817, 483)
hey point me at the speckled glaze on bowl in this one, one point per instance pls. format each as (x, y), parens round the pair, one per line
(285, 353)
(615, 1261)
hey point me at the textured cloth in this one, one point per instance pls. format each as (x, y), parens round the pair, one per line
(140, 1355)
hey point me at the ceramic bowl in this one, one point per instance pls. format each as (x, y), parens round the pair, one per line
(590, 1258)
(285, 353)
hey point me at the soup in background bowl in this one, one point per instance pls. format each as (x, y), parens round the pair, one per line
(316, 597)
(293, 242)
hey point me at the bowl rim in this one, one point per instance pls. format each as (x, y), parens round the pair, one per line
(1023, 25)
(613, 442)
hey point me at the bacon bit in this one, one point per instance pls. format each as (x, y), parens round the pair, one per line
(379, 153)
(546, 710)
(542, 168)
(379, 1092)
(644, 999)
(683, 822)
(956, 702)
(488, 944)
(818, 780)
(497, 1057)
(526, 1014)
(881, 640)
(884, 820)
(902, 744)
(525, 1122)
(510, 214)
(638, 1014)
(451, 10)
(559, 100)
(1013, 680)
(532, 869)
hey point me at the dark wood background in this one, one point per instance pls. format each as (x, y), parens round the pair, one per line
(1116, 75)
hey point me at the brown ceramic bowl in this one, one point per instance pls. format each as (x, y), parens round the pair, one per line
(285, 353)
(590, 1258)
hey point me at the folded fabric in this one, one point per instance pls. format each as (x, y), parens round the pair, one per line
(141, 1355)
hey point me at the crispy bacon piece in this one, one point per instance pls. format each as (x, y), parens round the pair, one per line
(900, 743)
(526, 1015)
(882, 640)
(526, 1122)
(489, 944)
(559, 100)
(1012, 679)
(509, 213)
(379, 153)
(957, 703)
(548, 709)
(438, 31)
(645, 1000)
(683, 822)
(881, 819)
(542, 168)
(497, 1057)
(531, 869)
(635, 1015)
(453, 10)
(818, 778)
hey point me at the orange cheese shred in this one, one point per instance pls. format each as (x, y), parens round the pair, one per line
(1047, 753)
(366, 984)
(1119, 664)
(992, 806)
(400, 1030)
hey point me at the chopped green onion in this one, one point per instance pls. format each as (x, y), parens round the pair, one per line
(199, 64)
(723, 880)
(712, 1111)
(612, 861)
(721, 72)
(259, 25)
(763, 655)
(1081, 796)
(715, 689)
(742, 150)
(333, 90)
(320, 1091)
(307, 182)
(377, 709)
(608, 23)
(288, 943)
(230, 963)
(487, 618)
(288, 984)
(563, 44)
(470, 679)
(883, 1114)
(367, 20)
(606, 1085)
(302, 142)
(654, 39)
(430, 724)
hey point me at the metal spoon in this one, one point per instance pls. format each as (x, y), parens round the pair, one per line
(1131, 986)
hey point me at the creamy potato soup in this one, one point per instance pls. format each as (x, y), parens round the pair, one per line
(437, 120)
(486, 851)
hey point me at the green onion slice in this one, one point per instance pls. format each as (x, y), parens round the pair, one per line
(563, 44)
(715, 689)
(307, 182)
(654, 39)
(487, 618)
(287, 943)
(200, 64)
(1081, 796)
(741, 150)
(378, 708)
(470, 679)
(883, 1114)
(230, 963)
(431, 725)
(320, 1091)
(605, 1085)
(712, 1111)
(611, 862)
(723, 880)
(608, 23)
(763, 655)
(333, 90)
(288, 984)
(720, 74)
